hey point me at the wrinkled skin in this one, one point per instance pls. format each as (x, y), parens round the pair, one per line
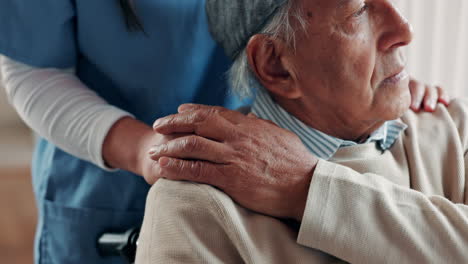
(266, 168)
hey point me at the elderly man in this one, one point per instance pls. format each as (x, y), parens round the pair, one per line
(361, 180)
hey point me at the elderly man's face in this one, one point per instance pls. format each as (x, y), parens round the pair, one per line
(349, 62)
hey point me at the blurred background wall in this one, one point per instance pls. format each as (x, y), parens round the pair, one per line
(18, 215)
(438, 55)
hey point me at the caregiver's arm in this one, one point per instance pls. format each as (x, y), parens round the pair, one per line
(60, 108)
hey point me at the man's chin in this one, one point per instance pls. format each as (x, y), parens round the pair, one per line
(401, 110)
(398, 107)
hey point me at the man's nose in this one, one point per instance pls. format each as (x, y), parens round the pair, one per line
(398, 31)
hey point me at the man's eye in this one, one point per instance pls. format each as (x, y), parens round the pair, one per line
(362, 10)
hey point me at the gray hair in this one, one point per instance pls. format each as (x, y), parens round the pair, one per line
(241, 77)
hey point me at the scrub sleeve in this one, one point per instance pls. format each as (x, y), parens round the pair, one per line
(148, 75)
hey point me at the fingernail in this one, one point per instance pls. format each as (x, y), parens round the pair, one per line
(164, 162)
(159, 149)
(429, 108)
(445, 100)
(185, 107)
(417, 103)
(152, 151)
(157, 123)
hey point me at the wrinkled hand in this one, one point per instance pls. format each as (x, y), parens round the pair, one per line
(426, 97)
(259, 165)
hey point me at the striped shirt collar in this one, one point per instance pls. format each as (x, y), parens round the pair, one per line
(318, 143)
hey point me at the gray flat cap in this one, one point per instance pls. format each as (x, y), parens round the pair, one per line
(233, 22)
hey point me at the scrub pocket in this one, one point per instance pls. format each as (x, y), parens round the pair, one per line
(69, 235)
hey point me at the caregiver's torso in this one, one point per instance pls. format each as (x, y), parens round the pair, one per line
(147, 73)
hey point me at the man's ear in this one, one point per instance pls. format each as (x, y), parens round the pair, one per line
(270, 60)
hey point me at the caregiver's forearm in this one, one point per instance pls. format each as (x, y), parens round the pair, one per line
(60, 108)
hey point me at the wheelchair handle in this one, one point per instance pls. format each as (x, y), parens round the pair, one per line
(119, 244)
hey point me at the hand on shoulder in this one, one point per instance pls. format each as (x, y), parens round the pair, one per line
(259, 165)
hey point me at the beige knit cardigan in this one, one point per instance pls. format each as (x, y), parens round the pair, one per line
(405, 205)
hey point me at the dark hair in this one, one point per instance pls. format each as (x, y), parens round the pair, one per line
(131, 19)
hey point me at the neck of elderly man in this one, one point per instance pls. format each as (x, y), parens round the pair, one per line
(324, 118)
(344, 75)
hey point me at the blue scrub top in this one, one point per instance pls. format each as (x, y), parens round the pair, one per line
(148, 75)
